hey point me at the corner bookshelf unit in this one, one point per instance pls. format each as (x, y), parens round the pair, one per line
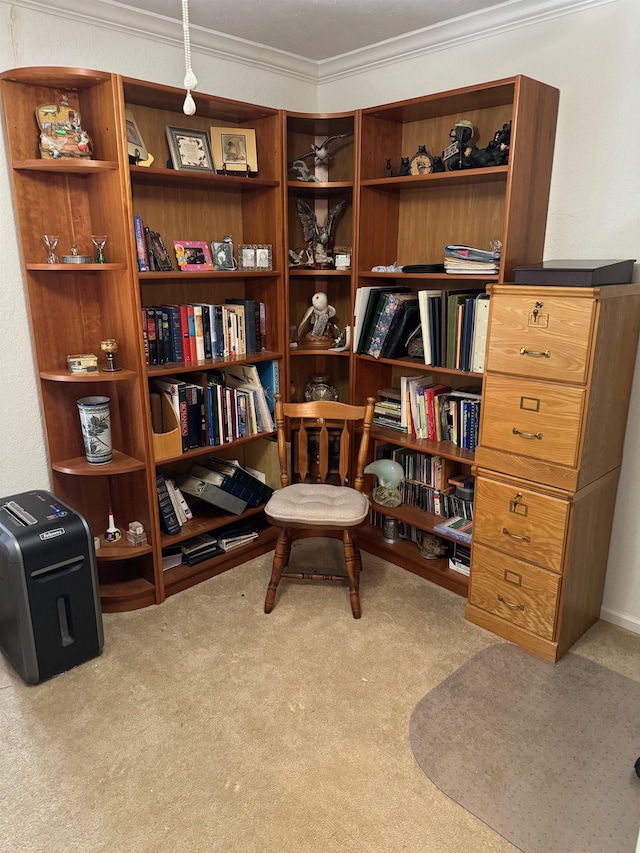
(334, 182)
(73, 307)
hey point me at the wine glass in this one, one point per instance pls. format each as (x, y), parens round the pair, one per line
(98, 241)
(51, 241)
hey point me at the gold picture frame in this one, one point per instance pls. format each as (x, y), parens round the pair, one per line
(234, 149)
(255, 256)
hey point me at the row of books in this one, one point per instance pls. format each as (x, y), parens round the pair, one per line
(451, 327)
(423, 409)
(205, 546)
(459, 553)
(221, 483)
(223, 406)
(425, 467)
(197, 331)
(468, 260)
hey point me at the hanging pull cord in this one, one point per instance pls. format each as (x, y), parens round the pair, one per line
(190, 81)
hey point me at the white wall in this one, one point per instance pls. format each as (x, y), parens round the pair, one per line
(593, 57)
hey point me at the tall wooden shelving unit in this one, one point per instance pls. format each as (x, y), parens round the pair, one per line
(73, 307)
(411, 219)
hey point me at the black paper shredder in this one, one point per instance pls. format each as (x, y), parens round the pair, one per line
(50, 617)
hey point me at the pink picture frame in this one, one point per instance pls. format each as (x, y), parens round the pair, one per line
(193, 256)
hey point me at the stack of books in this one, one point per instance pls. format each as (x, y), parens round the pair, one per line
(467, 260)
(235, 535)
(388, 410)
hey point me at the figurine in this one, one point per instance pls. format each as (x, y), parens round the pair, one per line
(390, 474)
(61, 134)
(387, 168)
(320, 238)
(431, 547)
(318, 314)
(458, 154)
(304, 174)
(405, 167)
(301, 258)
(112, 533)
(320, 153)
(497, 151)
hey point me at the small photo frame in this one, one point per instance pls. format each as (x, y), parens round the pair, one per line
(223, 256)
(255, 256)
(342, 257)
(135, 143)
(158, 252)
(192, 257)
(234, 149)
(189, 149)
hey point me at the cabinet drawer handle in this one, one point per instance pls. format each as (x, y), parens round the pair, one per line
(537, 435)
(545, 354)
(513, 536)
(513, 606)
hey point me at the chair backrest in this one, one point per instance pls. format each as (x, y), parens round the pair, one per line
(322, 435)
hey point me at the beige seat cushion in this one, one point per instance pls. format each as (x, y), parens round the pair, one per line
(317, 504)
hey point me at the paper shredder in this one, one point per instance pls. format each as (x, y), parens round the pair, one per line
(50, 617)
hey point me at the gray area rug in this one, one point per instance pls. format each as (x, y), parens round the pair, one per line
(542, 754)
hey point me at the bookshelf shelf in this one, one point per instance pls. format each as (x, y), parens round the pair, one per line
(204, 521)
(121, 464)
(177, 178)
(121, 550)
(174, 367)
(70, 268)
(492, 174)
(126, 595)
(219, 275)
(199, 452)
(66, 167)
(445, 449)
(122, 375)
(308, 273)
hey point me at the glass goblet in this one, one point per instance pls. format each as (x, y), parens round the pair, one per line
(98, 241)
(110, 347)
(51, 241)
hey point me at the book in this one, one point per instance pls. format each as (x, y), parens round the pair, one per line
(404, 322)
(453, 300)
(370, 314)
(467, 333)
(231, 485)
(180, 513)
(142, 255)
(389, 309)
(168, 518)
(269, 373)
(427, 324)
(457, 528)
(246, 378)
(198, 331)
(152, 334)
(210, 493)
(252, 333)
(235, 471)
(175, 332)
(480, 328)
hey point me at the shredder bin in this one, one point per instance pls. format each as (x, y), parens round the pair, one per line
(50, 617)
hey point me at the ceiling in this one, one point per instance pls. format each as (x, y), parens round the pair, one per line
(314, 39)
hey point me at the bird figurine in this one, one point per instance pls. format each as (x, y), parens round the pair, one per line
(321, 153)
(318, 314)
(319, 237)
(390, 474)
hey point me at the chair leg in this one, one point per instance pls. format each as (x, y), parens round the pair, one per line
(280, 560)
(352, 564)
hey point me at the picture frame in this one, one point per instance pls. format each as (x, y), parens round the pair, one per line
(158, 252)
(222, 253)
(234, 149)
(193, 256)
(255, 256)
(342, 257)
(135, 143)
(189, 149)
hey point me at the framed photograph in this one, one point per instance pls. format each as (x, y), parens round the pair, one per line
(223, 256)
(342, 257)
(135, 143)
(192, 257)
(234, 149)
(189, 149)
(255, 256)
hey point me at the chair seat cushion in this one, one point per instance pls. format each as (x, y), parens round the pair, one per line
(318, 504)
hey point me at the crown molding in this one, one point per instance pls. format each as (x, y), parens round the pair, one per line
(108, 14)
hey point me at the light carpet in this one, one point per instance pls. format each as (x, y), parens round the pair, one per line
(543, 754)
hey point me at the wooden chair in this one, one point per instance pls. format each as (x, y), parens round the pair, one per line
(315, 499)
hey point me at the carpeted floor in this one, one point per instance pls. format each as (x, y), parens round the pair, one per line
(208, 726)
(542, 754)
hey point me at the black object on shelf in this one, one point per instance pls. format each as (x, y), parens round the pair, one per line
(572, 273)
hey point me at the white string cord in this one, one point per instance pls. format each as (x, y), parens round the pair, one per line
(190, 81)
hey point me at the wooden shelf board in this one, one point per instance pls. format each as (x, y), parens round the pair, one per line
(122, 375)
(418, 364)
(491, 174)
(75, 267)
(298, 351)
(66, 166)
(446, 449)
(126, 595)
(172, 367)
(121, 464)
(203, 180)
(455, 280)
(178, 275)
(296, 272)
(65, 77)
(204, 521)
(414, 516)
(407, 556)
(320, 189)
(121, 550)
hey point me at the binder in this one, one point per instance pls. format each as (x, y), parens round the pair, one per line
(480, 327)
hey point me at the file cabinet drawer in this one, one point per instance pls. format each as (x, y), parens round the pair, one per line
(521, 522)
(548, 342)
(534, 419)
(517, 592)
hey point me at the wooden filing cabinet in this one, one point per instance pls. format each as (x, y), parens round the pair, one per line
(559, 369)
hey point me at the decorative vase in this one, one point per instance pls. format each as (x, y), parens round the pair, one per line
(95, 419)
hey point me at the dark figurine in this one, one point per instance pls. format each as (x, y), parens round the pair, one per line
(438, 165)
(457, 155)
(497, 151)
(405, 167)
(387, 168)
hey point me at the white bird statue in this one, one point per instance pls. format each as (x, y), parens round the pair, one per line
(320, 153)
